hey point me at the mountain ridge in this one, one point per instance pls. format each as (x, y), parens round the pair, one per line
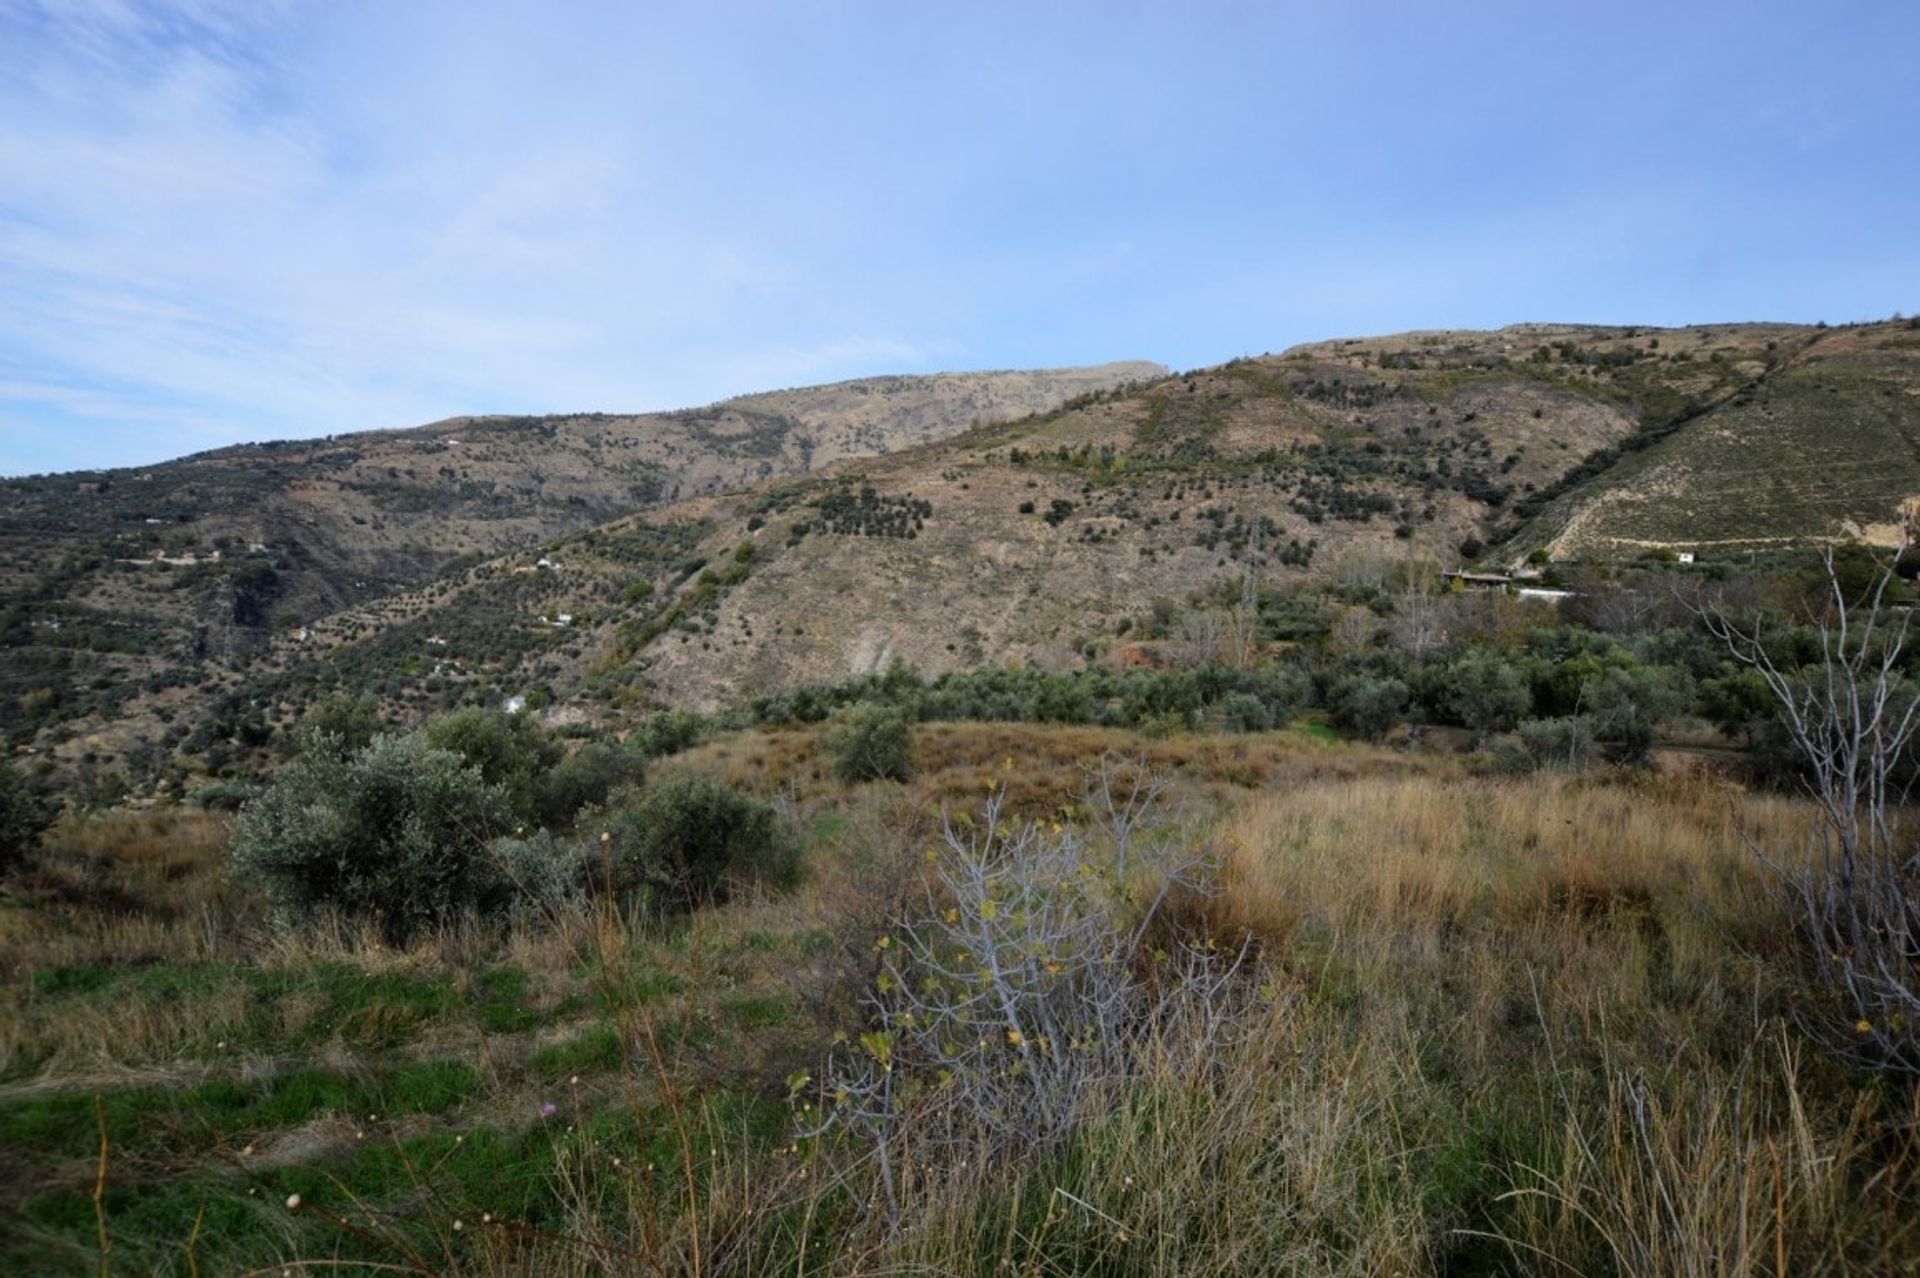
(1045, 539)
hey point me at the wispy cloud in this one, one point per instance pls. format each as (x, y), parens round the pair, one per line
(227, 219)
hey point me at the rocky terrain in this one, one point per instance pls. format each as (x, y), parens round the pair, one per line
(951, 523)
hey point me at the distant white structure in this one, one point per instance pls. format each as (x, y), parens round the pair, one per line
(1685, 556)
(187, 560)
(1539, 592)
(515, 704)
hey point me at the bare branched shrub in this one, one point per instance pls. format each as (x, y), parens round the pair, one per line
(1852, 717)
(1125, 800)
(1024, 986)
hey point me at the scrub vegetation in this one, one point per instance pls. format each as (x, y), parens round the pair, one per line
(1068, 999)
(1114, 840)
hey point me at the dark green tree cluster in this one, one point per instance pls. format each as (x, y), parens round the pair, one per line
(25, 814)
(864, 512)
(482, 813)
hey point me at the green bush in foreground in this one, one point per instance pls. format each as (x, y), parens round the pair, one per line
(873, 743)
(510, 750)
(681, 839)
(397, 834)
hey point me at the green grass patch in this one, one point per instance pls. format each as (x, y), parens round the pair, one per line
(403, 1196)
(595, 1051)
(194, 1119)
(758, 1012)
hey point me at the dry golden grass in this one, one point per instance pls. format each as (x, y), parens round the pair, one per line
(1428, 854)
(1042, 766)
(124, 887)
(1517, 1025)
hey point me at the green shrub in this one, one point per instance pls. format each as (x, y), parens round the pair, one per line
(1486, 693)
(1244, 712)
(352, 722)
(25, 814)
(545, 874)
(224, 795)
(585, 778)
(1629, 704)
(511, 751)
(1367, 705)
(678, 841)
(872, 743)
(1564, 743)
(668, 732)
(396, 834)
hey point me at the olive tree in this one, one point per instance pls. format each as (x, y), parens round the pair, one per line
(397, 834)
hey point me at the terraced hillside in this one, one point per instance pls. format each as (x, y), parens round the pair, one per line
(1045, 541)
(1821, 444)
(167, 577)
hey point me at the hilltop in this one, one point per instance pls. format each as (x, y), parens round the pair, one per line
(1047, 541)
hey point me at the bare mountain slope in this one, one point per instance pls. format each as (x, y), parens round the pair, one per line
(120, 579)
(1045, 540)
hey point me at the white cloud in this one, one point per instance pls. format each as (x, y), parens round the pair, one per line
(278, 217)
(193, 219)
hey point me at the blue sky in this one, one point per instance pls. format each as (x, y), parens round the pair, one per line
(224, 220)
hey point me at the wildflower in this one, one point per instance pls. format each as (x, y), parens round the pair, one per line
(1015, 1037)
(548, 1109)
(1863, 1025)
(457, 1226)
(293, 1202)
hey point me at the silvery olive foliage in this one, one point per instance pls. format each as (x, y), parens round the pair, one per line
(397, 834)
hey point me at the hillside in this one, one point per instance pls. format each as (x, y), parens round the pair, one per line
(154, 577)
(1046, 540)
(1821, 440)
